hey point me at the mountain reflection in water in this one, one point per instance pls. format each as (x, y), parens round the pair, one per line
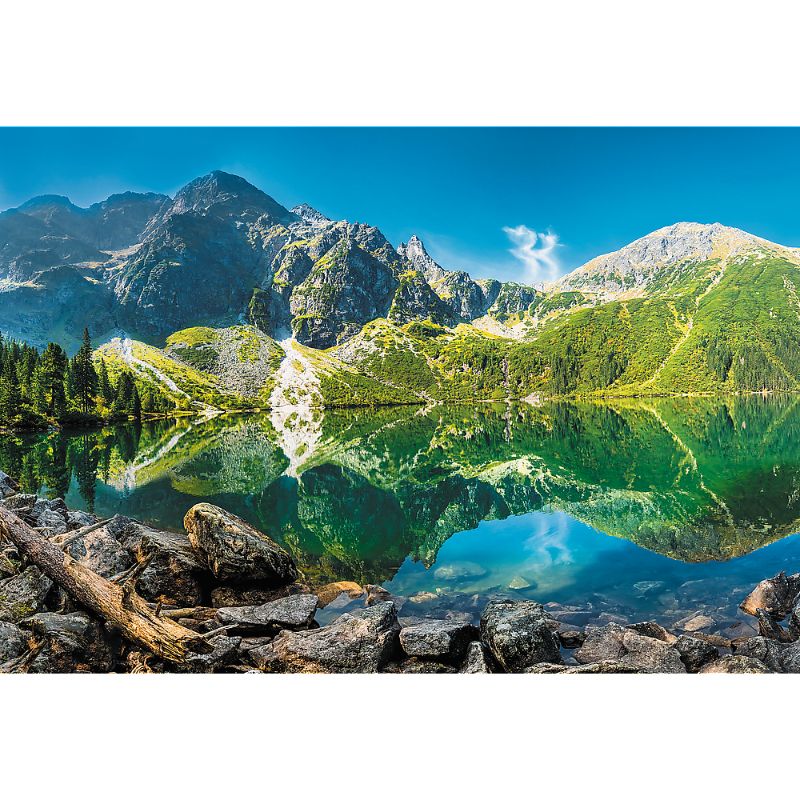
(648, 503)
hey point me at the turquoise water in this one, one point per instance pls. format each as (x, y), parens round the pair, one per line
(641, 510)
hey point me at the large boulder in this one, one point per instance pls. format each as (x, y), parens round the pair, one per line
(363, 641)
(23, 594)
(289, 613)
(234, 550)
(175, 573)
(438, 639)
(69, 643)
(735, 665)
(775, 596)
(628, 648)
(519, 634)
(330, 591)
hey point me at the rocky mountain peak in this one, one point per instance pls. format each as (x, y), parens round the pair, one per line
(310, 215)
(414, 251)
(226, 196)
(630, 269)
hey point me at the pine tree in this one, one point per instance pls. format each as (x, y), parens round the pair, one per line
(49, 381)
(84, 380)
(10, 397)
(104, 384)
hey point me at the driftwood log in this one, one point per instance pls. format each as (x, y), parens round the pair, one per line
(117, 603)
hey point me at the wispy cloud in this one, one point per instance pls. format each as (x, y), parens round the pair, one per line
(536, 251)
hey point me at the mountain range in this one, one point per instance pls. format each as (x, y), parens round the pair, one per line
(222, 295)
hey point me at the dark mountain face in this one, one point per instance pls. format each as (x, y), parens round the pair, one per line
(219, 250)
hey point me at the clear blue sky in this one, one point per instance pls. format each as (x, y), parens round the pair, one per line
(458, 188)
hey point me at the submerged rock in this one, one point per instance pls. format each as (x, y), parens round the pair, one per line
(328, 593)
(234, 550)
(735, 665)
(362, 641)
(442, 640)
(775, 596)
(23, 594)
(291, 613)
(519, 634)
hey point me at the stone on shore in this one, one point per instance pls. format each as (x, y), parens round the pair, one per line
(8, 485)
(612, 642)
(234, 550)
(438, 639)
(23, 595)
(13, 642)
(519, 634)
(775, 596)
(768, 651)
(735, 665)
(654, 631)
(69, 643)
(695, 653)
(596, 668)
(289, 613)
(478, 661)
(420, 666)
(175, 573)
(99, 551)
(362, 641)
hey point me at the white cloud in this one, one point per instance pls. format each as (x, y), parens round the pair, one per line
(537, 252)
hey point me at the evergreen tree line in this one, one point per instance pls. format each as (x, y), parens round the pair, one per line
(37, 387)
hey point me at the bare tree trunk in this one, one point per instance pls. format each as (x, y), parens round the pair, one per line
(118, 604)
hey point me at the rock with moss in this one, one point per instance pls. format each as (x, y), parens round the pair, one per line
(23, 595)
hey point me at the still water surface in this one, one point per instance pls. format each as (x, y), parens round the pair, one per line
(648, 509)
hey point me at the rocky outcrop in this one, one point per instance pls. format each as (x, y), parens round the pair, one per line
(439, 640)
(289, 613)
(234, 550)
(362, 641)
(519, 634)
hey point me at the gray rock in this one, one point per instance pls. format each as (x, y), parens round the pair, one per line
(21, 504)
(363, 641)
(226, 596)
(629, 648)
(769, 628)
(597, 668)
(735, 665)
(478, 660)
(519, 634)
(80, 519)
(420, 666)
(234, 550)
(775, 596)
(13, 642)
(175, 573)
(50, 516)
(23, 594)
(8, 486)
(790, 657)
(695, 653)
(99, 551)
(440, 640)
(69, 643)
(291, 613)
(767, 651)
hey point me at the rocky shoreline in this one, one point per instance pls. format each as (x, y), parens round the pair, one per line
(243, 605)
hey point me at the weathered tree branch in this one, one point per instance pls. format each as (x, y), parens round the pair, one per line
(119, 605)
